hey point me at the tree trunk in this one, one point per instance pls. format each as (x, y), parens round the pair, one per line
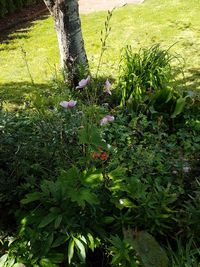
(70, 40)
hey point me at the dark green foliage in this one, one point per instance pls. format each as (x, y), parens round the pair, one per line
(34, 145)
(145, 185)
(9, 6)
(186, 253)
(19, 4)
(3, 9)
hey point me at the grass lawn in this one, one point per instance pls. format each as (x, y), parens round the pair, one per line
(156, 21)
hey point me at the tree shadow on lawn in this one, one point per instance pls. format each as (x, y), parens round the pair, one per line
(16, 95)
(20, 31)
(191, 81)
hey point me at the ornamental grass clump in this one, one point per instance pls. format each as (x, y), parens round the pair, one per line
(145, 71)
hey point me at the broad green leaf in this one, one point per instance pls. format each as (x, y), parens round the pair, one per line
(81, 248)
(93, 179)
(90, 135)
(108, 219)
(83, 195)
(58, 221)
(3, 259)
(69, 178)
(70, 250)
(180, 104)
(91, 239)
(46, 263)
(31, 198)
(10, 262)
(46, 245)
(59, 241)
(55, 257)
(118, 173)
(47, 220)
(81, 237)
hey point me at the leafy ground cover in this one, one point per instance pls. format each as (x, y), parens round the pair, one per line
(106, 175)
(109, 178)
(166, 22)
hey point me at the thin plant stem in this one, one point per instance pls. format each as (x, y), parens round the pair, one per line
(104, 36)
(27, 65)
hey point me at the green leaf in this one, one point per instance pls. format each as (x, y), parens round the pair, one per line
(58, 221)
(81, 248)
(55, 257)
(118, 173)
(70, 250)
(46, 263)
(46, 245)
(90, 135)
(10, 262)
(180, 104)
(3, 259)
(31, 197)
(83, 195)
(59, 241)
(91, 239)
(47, 220)
(108, 219)
(92, 179)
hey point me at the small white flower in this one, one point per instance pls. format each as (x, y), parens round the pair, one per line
(186, 169)
(108, 146)
(108, 87)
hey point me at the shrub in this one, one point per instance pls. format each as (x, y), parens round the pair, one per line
(34, 145)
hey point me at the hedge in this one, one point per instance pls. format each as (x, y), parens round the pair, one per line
(9, 6)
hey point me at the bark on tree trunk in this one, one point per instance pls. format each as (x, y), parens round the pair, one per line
(70, 40)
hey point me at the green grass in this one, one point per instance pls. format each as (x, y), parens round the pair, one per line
(156, 21)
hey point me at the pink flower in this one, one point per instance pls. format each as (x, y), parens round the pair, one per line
(83, 83)
(106, 119)
(68, 104)
(108, 87)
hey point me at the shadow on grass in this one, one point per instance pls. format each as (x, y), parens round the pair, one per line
(18, 94)
(181, 25)
(22, 93)
(21, 31)
(191, 81)
(194, 77)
